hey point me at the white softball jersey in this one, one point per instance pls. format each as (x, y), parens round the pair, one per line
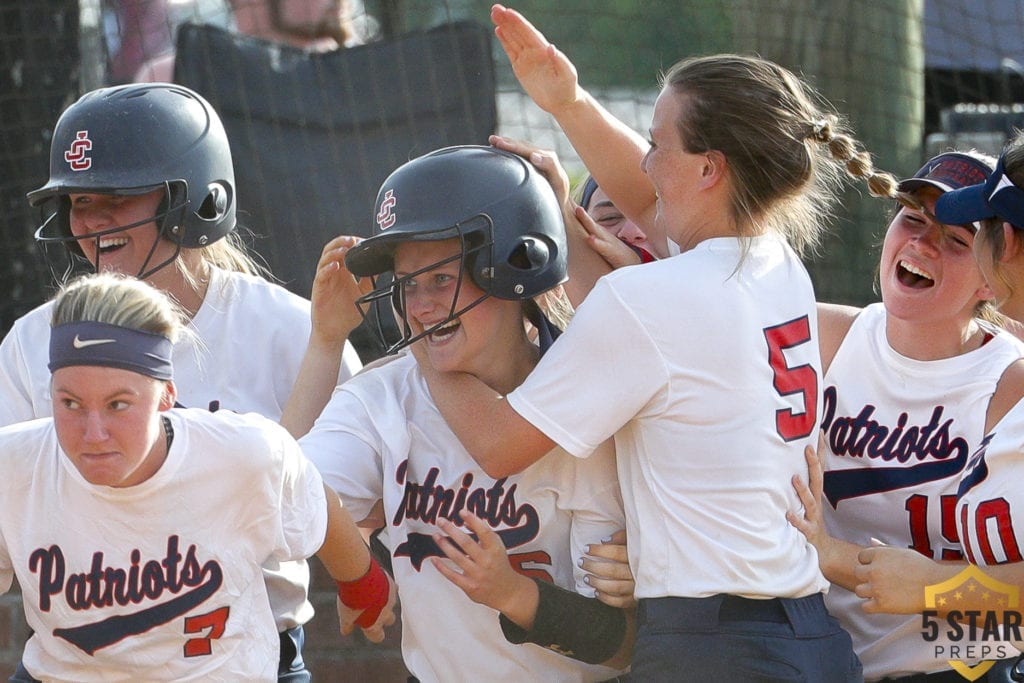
(898, 433)
(990, 509)
(381, 437)
(160, 581)
(247, 343)
(705, 368)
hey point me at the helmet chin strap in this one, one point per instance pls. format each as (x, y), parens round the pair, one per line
(167, 226)
(143, 272)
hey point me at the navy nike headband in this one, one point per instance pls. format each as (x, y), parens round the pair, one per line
(93, 343)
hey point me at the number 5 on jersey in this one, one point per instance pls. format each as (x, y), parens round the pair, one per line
(788, 381)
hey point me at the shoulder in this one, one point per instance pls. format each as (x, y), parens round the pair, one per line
(384, 376)
(1014, 327)
(21, 445)
(255, 292)
(31, 431)
(378, 399)
(834, 321)
(226, 432)
(34, 321)
(28, 339)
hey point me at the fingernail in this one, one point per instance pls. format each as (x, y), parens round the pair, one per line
(606, 540)
(579, 562)
(586, 579)
(536, 157)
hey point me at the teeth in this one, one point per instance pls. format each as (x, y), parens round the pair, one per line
(108, 242)
(445, 330)
(915, 270)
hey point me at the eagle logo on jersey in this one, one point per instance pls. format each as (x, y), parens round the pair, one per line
(938, 454)
(77, 156)
(182, 576)
(429, 501)
(386, 217)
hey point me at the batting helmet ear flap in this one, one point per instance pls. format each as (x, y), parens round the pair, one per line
(531, 253)
(210, 212)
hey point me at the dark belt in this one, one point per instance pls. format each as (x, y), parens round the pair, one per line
(735, 608)
(698, 612)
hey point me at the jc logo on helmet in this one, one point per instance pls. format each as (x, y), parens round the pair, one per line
(76, 156)
(385, 219)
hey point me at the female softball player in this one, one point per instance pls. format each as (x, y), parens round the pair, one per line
(137, 531)
(927, 329)
(472, 236)
(718, 393)
(141, 183)
(893, 579)
(909, 384)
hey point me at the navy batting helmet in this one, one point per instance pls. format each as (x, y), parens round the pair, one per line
(501, 208)
(134, 139)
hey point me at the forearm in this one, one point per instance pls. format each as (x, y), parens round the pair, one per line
(344, 553)
(313, 386)
(575, 626)
(612, 152)
(586, 266)
(519, 604)
(838, 562)
(494, 434)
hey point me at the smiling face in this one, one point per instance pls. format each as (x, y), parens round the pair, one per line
(606, 214)
(674, 172)
(127, 251)
(469, 342)
(927, 270)
(108, 423)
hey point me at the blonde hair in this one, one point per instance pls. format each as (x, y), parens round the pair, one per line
(555, 306)
(787, 150)
(231, 253)
(119, 300)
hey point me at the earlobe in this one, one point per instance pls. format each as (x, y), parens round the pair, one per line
(985, 293)
(169, 396)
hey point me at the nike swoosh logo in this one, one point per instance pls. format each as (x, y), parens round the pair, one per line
(84, 343)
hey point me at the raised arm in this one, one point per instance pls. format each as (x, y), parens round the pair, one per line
(588, 242)
(610, 149)
(334, 316)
